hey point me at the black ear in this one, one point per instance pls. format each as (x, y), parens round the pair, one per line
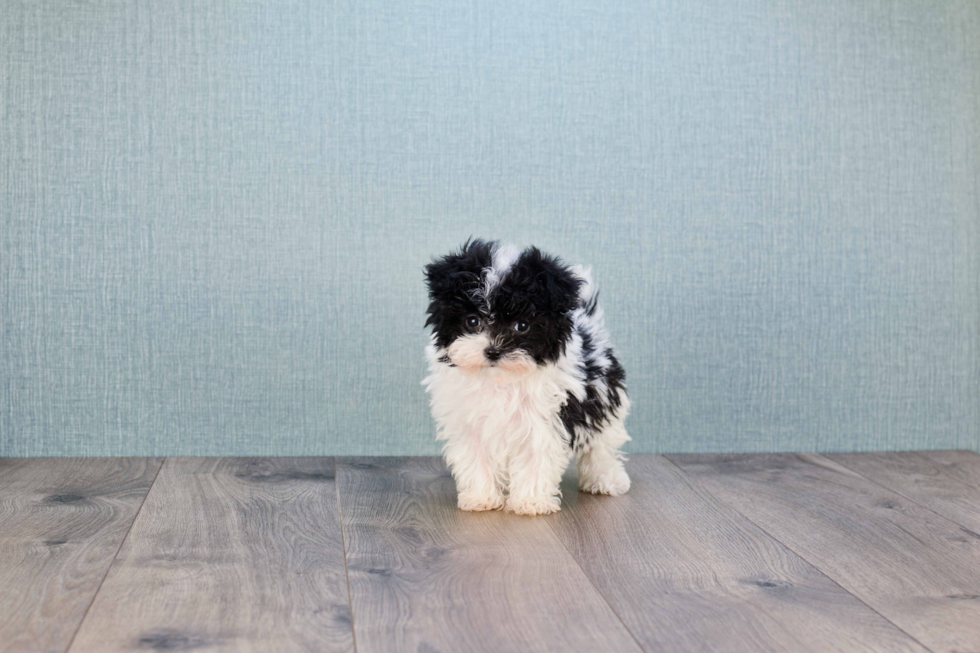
(459, 273)
(454, 280)
(549, 284)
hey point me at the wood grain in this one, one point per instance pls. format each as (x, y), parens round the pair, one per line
(919, 478)
(425, 576)
(229, 555)
(964, 466)
(687, 573)
(917, 569)
(61, 523)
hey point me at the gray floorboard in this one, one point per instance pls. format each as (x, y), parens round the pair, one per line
(228, 555)
(918, 477)
(964, 466)
(914, 567)
(61, 523)
(793, 552)
(687, 573)
(426, 577)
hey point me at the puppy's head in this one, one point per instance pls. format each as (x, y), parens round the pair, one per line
(493, 306)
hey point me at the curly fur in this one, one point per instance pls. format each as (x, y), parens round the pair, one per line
(522, 377)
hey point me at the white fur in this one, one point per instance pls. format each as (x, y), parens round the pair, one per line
(502, 435)
(504, 257)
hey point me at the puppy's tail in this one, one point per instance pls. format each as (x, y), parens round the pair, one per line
(588, 293)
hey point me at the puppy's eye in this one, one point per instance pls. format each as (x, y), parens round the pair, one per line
(521, 326)
(473, 322)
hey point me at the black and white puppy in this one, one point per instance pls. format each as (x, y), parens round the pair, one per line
(521, 377)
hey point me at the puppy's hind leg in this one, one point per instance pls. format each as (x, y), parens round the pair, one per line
(600, 464)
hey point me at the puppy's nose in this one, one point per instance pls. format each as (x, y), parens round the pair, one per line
(492, 353)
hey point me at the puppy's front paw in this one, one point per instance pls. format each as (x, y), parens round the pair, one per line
(478, 502)
(613, 482)
(533, 505)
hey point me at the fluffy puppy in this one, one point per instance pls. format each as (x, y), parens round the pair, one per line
(522, 376)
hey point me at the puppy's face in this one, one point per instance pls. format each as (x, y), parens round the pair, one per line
(493, 307)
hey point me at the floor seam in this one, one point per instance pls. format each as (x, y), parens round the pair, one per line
(589, 578)
(343, 544)
(693, 480)
(115, 555)
(941, 467)
(906, 497)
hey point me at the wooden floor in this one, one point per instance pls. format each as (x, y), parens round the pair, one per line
(856, 552)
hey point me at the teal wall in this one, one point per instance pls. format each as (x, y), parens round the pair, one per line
(215, 214)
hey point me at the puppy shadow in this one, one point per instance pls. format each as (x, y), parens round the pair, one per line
(587, 505)
(570, 494)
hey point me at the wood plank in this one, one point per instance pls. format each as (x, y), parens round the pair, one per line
(917, 569)
(687, 573)
(425, 576)
(231, 554)
(964, 466)
(917, 477)
(61, 523)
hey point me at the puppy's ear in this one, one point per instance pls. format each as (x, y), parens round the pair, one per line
(454, 280)
(459, 272)
(549, 284)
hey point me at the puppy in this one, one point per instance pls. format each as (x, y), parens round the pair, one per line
(522, 376)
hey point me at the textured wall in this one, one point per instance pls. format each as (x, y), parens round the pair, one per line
(215, 214)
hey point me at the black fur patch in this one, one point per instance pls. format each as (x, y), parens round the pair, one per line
(581, 417)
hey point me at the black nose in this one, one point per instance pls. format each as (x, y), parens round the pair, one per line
(492, 353)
